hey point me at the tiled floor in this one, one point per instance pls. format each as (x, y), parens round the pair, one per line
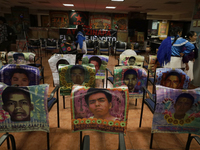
(64, 139)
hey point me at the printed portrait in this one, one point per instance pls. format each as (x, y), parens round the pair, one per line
(23, 108)
(99, 104)
(99, 61)
(127, 60)
(21, 58)
(177, 110)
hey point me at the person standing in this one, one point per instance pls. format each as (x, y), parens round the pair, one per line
(190, 58)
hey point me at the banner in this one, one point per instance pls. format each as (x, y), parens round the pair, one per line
(22, 75)
(59, 19)
(104, 110)
(132, 76)
(100, 21)
(100, 62)
(24, 108)
(91, 34)
(75, 74)
(177, 111)
(127, 60)
(57, 59)
(121, 21)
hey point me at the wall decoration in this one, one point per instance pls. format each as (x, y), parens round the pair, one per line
(100, 21)
(59, 19)
(120, 20)
(78, 18)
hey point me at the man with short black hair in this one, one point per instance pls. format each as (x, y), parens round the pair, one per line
(96, 61)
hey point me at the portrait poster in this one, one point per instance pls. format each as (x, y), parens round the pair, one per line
(152, 61)
(132, 76)
(120, 20)
(177, 111)
(109, 115)
(100, 21)
(59, 19)
(75, 74)
(127, 60)
(20, 58)
(140, 36)
(55, 60)
(78, 18)
(100, 62)
(29, 114)
(8, 72)
(3, 56)
(163, 73)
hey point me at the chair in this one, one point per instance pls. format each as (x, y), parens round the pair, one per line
(104, 47)
(75, 74)
(163, 77)
(85, 117)
(91, 47)
(36, 99)
(120, 47)
(26, 58)
(34, 44)
(10, 74)
(190, 138)
(42, 44)
(125, 75)
(51, 45)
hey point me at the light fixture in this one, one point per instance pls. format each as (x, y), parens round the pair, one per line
(117, 0)
(68, 4)
(73, 10)
(110, 7)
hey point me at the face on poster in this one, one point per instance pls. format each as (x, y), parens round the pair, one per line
(100, 63)
(128, 60)
(105, 105)
(134, 77)
(172, 78)
(177, 110)
(75, 74)
(21, 107)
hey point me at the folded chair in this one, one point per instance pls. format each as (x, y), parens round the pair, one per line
(88, 113)
(164, 77)
(36, 116)
(75, 74)
(133, 76)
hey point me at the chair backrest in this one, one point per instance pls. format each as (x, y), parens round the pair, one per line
(132, 76)
(103, 44)
(51, 43)
(174, 78)
(85, 116)
(23, 75)
(34, 42)
(21, 58)
(120, 45)
(177, 111)
(90, 44)
(57, 59)
(33, 106)
(75, 74)
(100, 62)
(131, 60)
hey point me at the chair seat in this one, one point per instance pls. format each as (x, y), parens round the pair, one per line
(90, 49)
(104, 50)
(51, 102)
(118, 50)
(111, 79)
(150, 104)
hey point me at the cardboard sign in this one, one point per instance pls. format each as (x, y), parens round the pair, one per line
(177, 111)
(75, 74)
(57, 59)
(100, 62)
(103, 110)
(24, 108)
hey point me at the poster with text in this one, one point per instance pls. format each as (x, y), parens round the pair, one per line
(104, 110)
(177, 111)
(100, 21)
(78, 18)
(59, 19)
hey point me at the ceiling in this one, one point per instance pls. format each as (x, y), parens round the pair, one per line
(155, 9)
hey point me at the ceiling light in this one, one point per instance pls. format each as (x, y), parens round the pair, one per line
(110, 7)
(118, 0)
(68, 4)
(73, 10)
